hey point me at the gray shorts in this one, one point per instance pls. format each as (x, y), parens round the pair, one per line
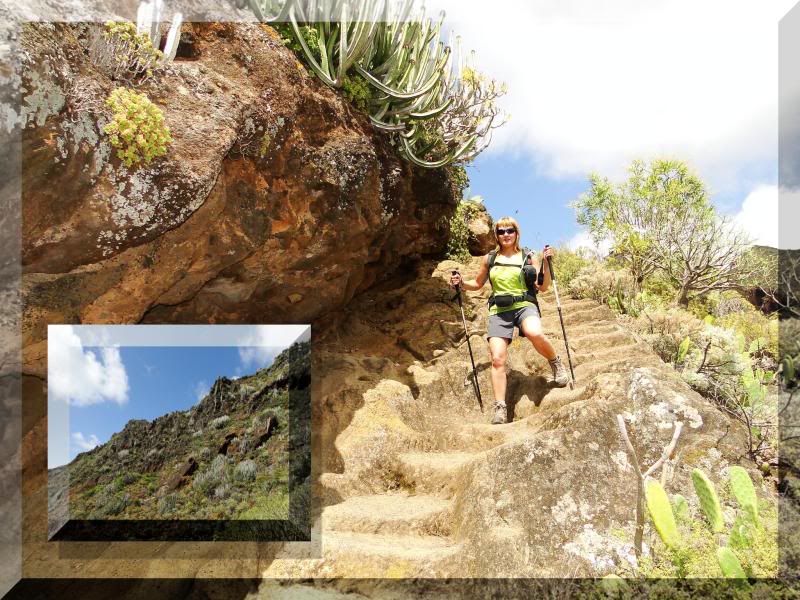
(502, 324)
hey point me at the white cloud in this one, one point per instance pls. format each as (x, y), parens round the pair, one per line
(758, 216)
(262, 343)
(83, 444)
(201, 390)
(79, 377)
(584, 240)
(592, 85)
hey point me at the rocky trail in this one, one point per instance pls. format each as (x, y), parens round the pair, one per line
(427, 486)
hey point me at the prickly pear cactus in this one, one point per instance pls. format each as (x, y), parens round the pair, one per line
(729, 563)
(741, 535)
(661, 512)
(744, 492)
(680, 507)
(709, 501)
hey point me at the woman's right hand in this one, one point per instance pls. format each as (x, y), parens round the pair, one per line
(455, 279)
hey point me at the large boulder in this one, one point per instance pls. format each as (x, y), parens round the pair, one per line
(276, 200)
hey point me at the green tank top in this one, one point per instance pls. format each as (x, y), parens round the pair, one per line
(508, 280)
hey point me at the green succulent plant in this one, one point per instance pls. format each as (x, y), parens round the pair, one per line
(743, 491)
(426, 93)
(709, 501)
(729, 564)
(661, 513)
(137, 129)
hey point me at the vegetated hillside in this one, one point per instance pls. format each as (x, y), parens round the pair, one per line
(228, 457)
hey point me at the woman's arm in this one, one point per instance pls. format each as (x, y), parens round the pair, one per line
(473, 284)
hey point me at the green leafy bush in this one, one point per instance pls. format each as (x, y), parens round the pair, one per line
(137, 129)
(457, 244)
(568, 264)
(356, 89)
(753, 325)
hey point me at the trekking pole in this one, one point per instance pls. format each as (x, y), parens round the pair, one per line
(561, 318)
(471, 357)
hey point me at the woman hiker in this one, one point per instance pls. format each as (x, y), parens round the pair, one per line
(513, 304)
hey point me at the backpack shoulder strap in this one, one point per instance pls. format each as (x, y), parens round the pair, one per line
(492, 256)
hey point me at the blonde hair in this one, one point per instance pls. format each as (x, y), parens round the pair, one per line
(507, 222)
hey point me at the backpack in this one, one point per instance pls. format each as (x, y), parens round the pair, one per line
(528, 270)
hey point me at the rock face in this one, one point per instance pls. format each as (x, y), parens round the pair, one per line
(481, 235)
(276, 202)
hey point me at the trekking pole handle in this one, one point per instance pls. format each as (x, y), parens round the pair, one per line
(550, 264)
(456, 287)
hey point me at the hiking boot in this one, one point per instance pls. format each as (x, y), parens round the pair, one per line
(500, 414)
(560, 377)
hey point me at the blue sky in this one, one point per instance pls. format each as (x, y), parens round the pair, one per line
(594, 85)
(100, 377)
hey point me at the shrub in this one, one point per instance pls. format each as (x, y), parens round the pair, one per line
(356, 89)
(167, 504)
(206, 481)
(245, 471)
(219, 422)
(598, 282)
(197, 433)
(665, 329)
(310, 35)
(568, 264)
(753, 325)
(457, 244)
(222, 491)
(246, 444)
(219, 464)
(116, 505)
(137, 128)
(205, 453)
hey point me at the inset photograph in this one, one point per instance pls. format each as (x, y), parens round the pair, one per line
(178, 432)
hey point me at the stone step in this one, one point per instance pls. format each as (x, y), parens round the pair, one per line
(554, 332)
(583, 360)
(339, 554)
(583, 315)
(393, 513)
(597, 341)
(554, 399)
(434, 472)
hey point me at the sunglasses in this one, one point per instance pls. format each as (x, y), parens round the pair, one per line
(501, 231)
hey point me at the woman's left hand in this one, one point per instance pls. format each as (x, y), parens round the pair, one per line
(548, 252)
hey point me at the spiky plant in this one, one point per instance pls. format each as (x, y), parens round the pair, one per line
(426, 93)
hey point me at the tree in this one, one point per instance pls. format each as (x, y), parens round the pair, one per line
(699, 255)
(630, 214)
(661, 219)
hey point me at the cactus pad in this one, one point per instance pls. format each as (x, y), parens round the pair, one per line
(680, 506)
(729, 563)
(743, 490)
(661, 512)
(709, 501)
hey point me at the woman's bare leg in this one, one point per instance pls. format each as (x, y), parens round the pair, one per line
(532, 329)
(498, 348)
